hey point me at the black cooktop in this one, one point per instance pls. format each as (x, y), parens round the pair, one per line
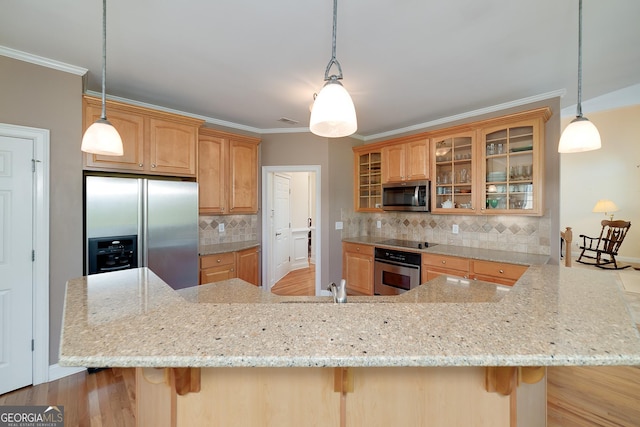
(407, 243)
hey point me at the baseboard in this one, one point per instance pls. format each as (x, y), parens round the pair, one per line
(56, 371)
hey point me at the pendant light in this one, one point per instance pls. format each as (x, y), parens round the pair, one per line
(580, 135)
(333, 114)
(101, 137)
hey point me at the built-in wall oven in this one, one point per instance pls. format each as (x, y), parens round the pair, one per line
(395, 271)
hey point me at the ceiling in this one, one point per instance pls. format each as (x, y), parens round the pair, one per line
(248, 63)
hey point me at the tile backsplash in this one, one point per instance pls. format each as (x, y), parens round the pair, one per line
(237, 228)
(512, 233)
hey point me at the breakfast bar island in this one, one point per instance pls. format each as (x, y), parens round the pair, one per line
(450, 352)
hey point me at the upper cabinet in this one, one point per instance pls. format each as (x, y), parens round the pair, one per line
(405, 161)
(493, 167)
(456, 184)
(367, 179)
(154, 142)
(227, 173)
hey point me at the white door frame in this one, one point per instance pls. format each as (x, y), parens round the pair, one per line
(40, 139)
(266, 239)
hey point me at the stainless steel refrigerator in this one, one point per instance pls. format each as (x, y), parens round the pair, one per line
(161, 216)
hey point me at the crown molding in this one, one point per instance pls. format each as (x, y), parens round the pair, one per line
(42, 61)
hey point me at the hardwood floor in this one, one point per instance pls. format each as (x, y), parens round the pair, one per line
(584, 396)
(301, 282)
(103, 399)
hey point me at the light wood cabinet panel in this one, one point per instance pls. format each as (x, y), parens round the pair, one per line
(406, 161)
(227, 173)
(172, 147)
(357, 268)
(212, 174)
(497, 272)
(434, 265)
(154, 142)
(243, 173)
(247, 262)
(217, 267)
(131, 130)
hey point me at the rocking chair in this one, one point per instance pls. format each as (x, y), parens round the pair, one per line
(611, 237)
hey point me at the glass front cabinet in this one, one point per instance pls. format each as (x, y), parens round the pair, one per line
(368, 181)
(512, 168)
(454, 183)
(493, 167)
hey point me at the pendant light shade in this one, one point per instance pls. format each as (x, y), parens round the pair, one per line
(581, 134)
(333, 114)
(101, 137)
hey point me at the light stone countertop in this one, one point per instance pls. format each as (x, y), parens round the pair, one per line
(220, 248)
(460, 251)
(552, 316)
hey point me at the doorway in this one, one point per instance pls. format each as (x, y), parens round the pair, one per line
(24, 256)
(296, 243)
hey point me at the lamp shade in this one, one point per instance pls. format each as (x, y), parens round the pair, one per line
(333, 114)
(604, 205)
(102, 138)
(580, 135)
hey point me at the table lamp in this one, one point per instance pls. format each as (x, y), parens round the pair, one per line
(606, 206)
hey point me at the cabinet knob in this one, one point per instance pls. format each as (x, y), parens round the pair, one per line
(140, 165)
(444, 262)
(231, 269)
(501, 271)
(153, 165)
(219, 260)
(358, 249)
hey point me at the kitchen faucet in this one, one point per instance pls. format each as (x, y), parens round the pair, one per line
(339, 292)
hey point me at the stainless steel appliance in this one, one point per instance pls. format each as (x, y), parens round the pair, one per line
(395, 271)
(407, 243)
(112, 253)
(406, 196)
(161, 214)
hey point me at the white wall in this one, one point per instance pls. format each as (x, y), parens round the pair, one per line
(613, 172)
(299, 199)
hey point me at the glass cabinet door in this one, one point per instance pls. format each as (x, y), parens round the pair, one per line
(511, 162)
(369, 181)
(454, 173)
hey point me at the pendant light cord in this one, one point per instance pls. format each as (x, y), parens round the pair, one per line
(104, 58)
(333, 48)
(579, 106)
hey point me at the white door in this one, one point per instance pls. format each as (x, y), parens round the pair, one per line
(282, 227)
(16, 267)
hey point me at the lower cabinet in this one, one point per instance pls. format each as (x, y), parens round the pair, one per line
(243, 264)
(357, 268)
(332, 397)
(434, 265)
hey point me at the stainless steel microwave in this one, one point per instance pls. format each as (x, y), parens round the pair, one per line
(406, 196)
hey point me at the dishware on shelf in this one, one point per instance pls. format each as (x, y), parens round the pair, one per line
(493, 203)
(447, 204)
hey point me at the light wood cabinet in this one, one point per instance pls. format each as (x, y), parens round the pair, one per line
(227, 173)
(154, 142)
(217, 267)
(242, 264)
(406, 161)
(434, 265)
(248, 262)
(493, 167)
(367, 180)
(497, 272)
(357, 268)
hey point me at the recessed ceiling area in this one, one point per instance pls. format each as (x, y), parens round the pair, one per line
(249, 63)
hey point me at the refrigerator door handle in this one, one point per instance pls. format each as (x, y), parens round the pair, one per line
(143, 207)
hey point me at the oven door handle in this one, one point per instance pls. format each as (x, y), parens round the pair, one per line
(118, 268)
(399, 264)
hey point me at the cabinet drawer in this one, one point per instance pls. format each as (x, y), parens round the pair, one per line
(215, 260)
(444, 261)
(499, 269)
(358, 248)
